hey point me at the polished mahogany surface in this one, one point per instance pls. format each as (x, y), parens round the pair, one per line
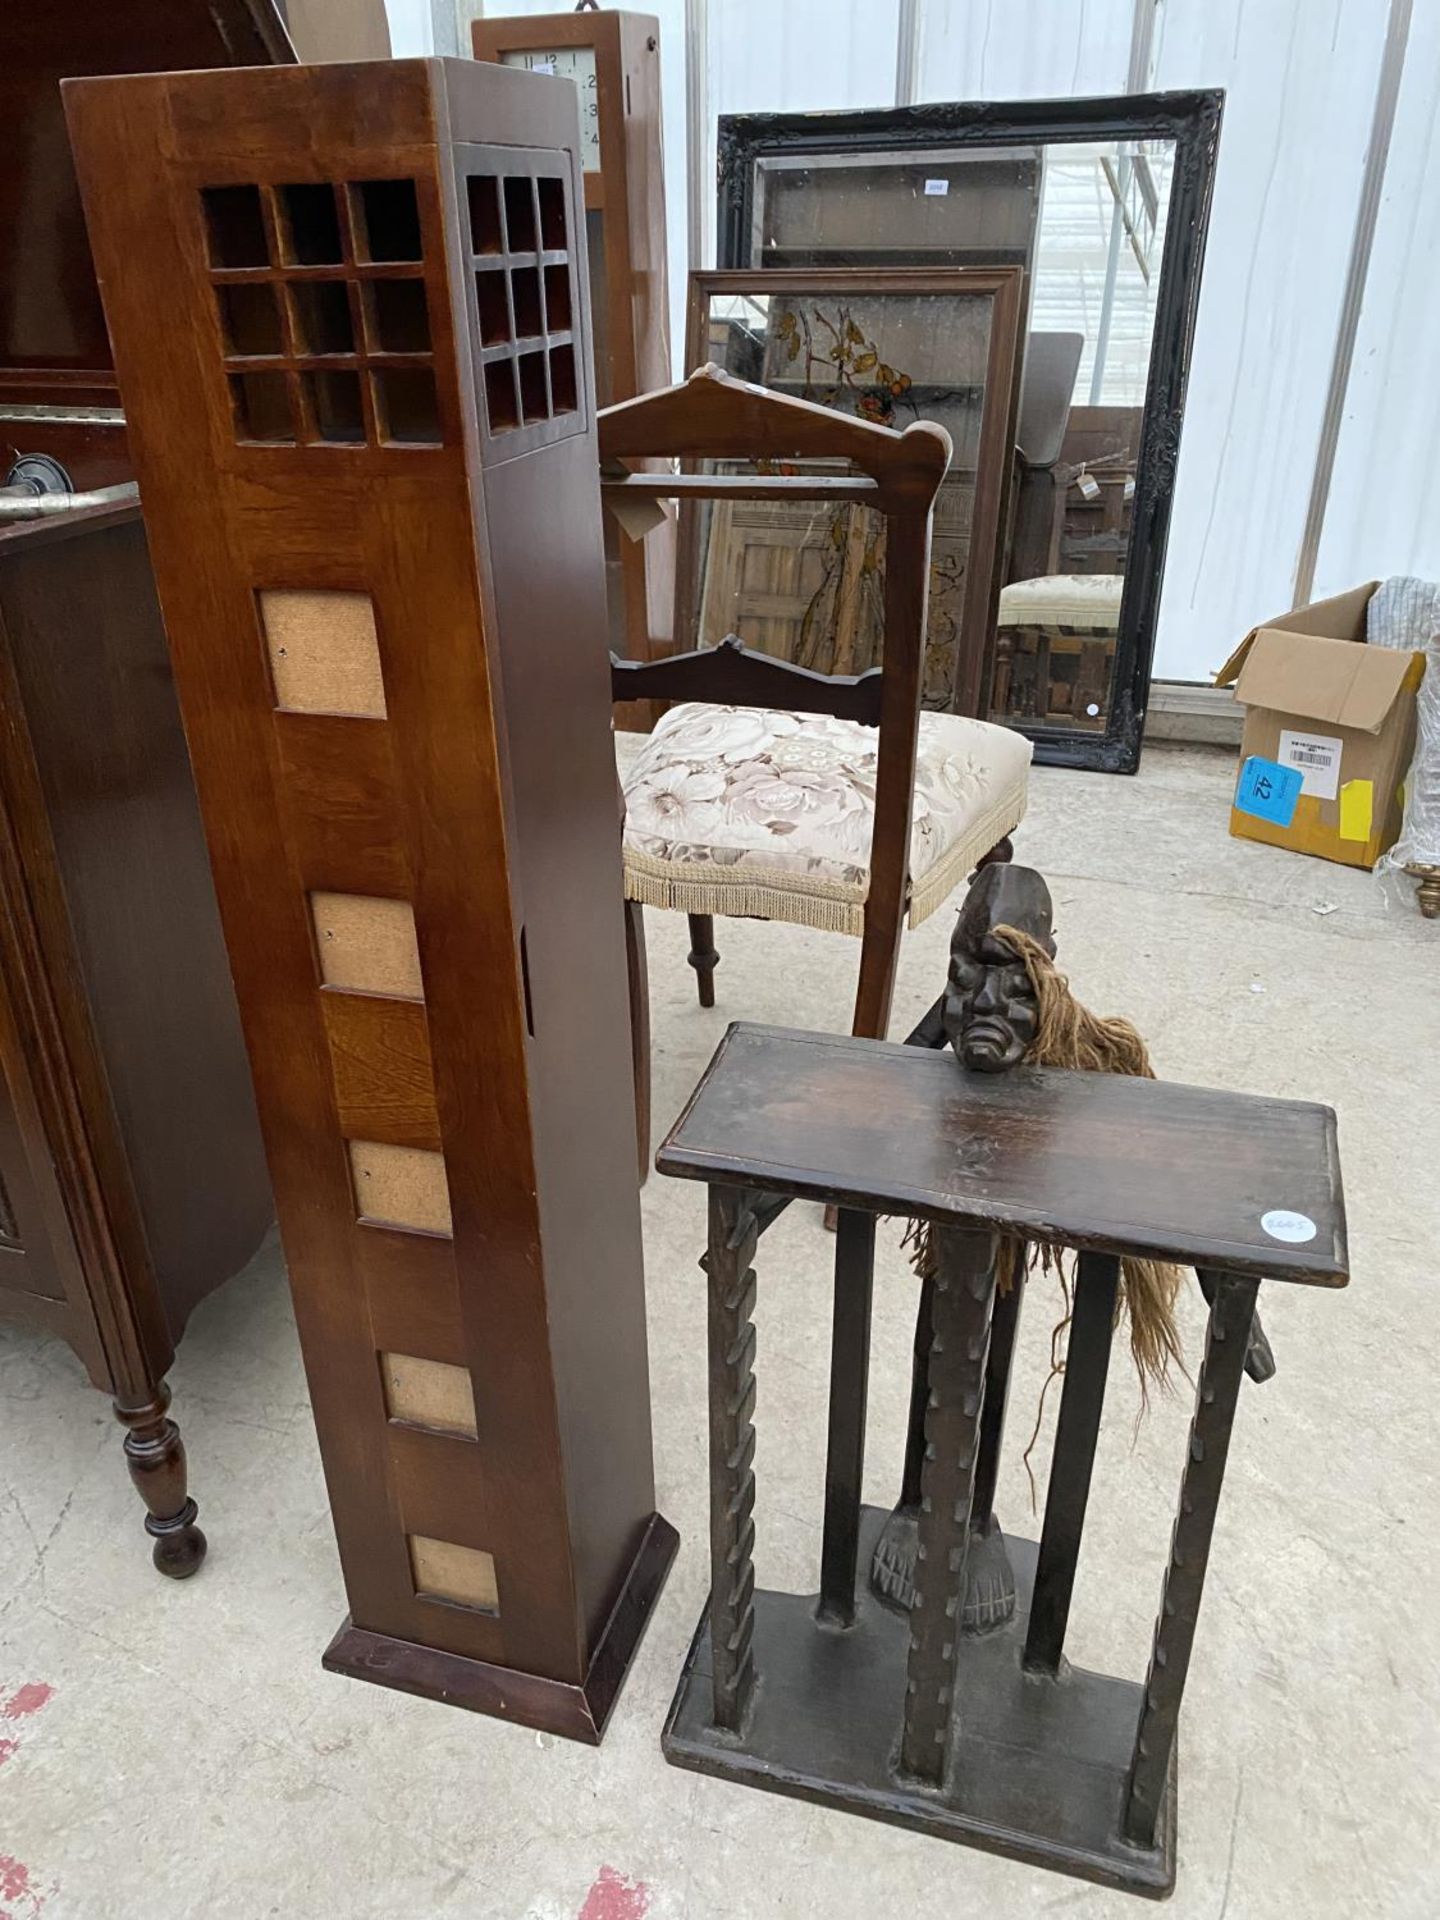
(52, 328)
(1094, 1160)
(368, 458)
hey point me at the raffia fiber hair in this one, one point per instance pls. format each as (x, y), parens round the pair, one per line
(1067, 1034)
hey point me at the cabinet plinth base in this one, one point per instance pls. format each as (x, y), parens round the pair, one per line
(574, 1711)
(1037, 1766)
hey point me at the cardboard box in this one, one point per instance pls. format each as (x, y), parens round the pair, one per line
(1323, 706)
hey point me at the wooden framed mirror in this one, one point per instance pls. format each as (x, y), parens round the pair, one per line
(890, 347)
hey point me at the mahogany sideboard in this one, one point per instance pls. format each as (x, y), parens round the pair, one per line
(131, 1174)
(132, 1179)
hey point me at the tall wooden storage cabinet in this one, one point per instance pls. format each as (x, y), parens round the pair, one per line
(364, 432)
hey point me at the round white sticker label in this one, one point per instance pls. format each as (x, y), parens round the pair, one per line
(1281, 1224)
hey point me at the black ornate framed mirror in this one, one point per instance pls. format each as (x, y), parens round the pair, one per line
(1104, 203)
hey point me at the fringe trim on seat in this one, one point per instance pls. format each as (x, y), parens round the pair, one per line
(934, 888)
(654, 884)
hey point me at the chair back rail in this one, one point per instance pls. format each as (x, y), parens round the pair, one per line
(737, 486)
(734, 675)
(713, 416)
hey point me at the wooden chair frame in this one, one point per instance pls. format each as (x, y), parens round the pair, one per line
(715, 416)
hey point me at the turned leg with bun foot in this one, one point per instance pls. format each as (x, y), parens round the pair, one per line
(155, 1455)
(702, 955)
(1427, 889)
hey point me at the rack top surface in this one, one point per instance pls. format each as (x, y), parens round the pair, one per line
(1226, 1180)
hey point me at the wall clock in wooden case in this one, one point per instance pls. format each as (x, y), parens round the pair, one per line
(614, 61)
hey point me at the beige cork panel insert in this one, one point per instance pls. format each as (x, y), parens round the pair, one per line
(324, 654)
(367, 945)
(429, 1393)
(400, 1186)
(463, 1575)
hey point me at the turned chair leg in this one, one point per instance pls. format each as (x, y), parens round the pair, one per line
(702, 956)
(998, 855)
(155, 1455)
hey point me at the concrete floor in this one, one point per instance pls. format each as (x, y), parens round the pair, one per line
(177, 1750)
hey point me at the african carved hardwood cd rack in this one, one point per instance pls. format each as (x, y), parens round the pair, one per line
(983, 1732)
(365, 437)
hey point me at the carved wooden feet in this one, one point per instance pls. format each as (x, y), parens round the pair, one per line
(155, 1455)
(988, 1599)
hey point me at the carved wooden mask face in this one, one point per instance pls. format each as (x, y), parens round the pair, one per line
(990, 1008)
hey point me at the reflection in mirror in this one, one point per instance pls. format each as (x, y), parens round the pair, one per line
(804, 579)
(1098, 246)
(800, 579)
(1086, 220)
(898, 209)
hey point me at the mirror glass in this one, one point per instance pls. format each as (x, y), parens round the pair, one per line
(1086, 221)
(804, 578)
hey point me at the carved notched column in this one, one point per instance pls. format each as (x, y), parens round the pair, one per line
(964, 1291)
(1215, 1397)
(732, 1453)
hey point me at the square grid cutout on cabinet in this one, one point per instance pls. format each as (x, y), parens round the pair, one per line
(324, 323)
(517, 216)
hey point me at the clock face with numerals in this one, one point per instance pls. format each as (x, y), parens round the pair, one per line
(569, 63)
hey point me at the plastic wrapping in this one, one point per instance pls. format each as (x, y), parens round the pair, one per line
(1405, 612)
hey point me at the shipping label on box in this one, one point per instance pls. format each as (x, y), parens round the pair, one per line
(1315, 757)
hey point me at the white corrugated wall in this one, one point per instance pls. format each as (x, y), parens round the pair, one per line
(1384, 509)
(1300, 78)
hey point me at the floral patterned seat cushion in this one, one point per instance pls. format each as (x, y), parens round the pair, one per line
(751, 810)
